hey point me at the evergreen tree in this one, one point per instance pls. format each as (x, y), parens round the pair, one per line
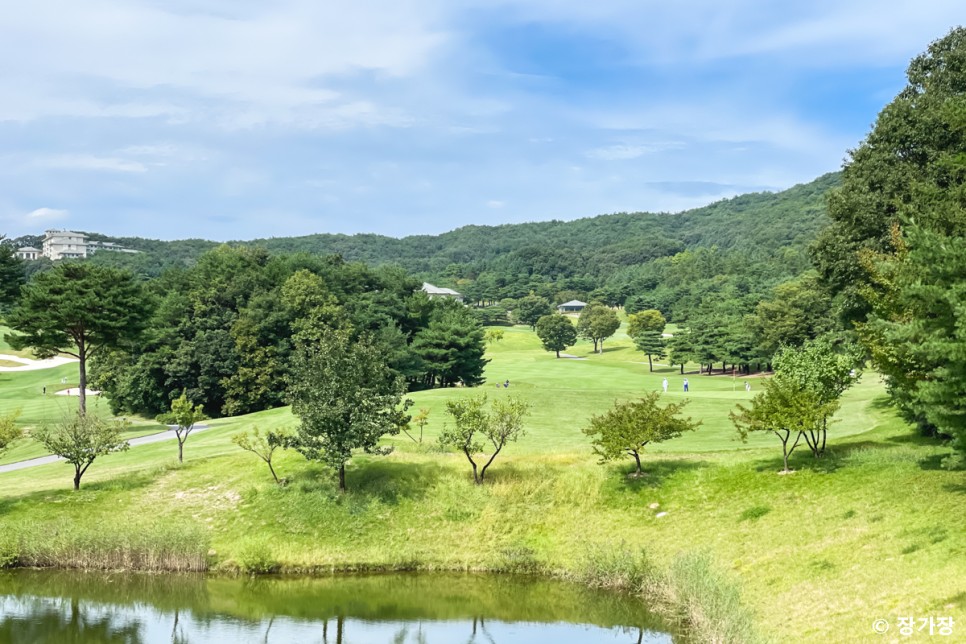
(11, 274)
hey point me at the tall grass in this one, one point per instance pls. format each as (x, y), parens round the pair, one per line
(151, 547)
(691, 593)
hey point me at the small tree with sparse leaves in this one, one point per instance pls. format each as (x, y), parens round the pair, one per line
(474, 426)
(630, 426)
(263, 445)
(79, 439)
(183, 417)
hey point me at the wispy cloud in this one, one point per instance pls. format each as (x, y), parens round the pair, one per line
(297, 116)
(47, 214)
(92, 162)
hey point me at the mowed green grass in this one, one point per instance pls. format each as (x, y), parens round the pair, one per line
(873, 530)
(23, 392)
(7, 349)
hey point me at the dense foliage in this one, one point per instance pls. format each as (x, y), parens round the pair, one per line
(225, 329)
(895, 253)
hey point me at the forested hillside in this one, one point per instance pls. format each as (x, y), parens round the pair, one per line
(555, 259)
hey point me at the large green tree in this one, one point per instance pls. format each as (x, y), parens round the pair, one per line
(629, 427)
(527, 310)
(11, 274)
(452, 346)
(346, 397)
(646, 328)
(79, 309)
(597, 322)
(893, 253)
(556, 332)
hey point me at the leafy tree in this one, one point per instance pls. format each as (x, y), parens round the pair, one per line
(893, 254)
(263, 445)
(11, 274)
(183, 416)
(795, 312)
(630, 426)
(646, 328)
(79, 439)
(346, 397)
(531, 308)
(474, 426)
(643, 321)
(79, 309)
(9, 430)
(784, 408)
(596, 323)
(422, 419)
(556, 332)
(494, 335)
(824, 369)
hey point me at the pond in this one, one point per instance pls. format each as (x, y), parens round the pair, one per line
(78, 607)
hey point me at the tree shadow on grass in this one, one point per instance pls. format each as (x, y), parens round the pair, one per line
(124, 482)
(955, 488)
(392, 481)
(624, 480)
(387, 480)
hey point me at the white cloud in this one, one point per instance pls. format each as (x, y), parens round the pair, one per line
(92, 162)
(624, 151)
(47, 214)
(495, 203)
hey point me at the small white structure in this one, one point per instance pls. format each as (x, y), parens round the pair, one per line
(64, 244)
(28, 253)
(435, 291)
(573, 306)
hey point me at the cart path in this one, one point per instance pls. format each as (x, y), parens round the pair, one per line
(134, 442)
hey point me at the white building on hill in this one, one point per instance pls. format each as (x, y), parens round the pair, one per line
(435, 291)
(28, 253)
(64, 244)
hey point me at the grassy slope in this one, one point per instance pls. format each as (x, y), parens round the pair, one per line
(870, 532)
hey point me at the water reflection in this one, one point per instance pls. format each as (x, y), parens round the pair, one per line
(37, 606)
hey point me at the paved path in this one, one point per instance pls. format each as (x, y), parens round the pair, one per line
(32, 365)
(134, 442)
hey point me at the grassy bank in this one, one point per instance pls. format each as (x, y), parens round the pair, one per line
(871, 531)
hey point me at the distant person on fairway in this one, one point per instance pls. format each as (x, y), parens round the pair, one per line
(664, 385)
(685, 385)
(747, 386)
(506, 384)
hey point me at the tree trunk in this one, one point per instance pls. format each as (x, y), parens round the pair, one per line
(272, 470)
(77, 476)
(180, 449)
(650, 364)
(558, 353)
(342, 477)
(82, 394)
(682, 368)
(637, 459)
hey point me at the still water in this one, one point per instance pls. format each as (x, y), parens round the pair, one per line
(37, 607)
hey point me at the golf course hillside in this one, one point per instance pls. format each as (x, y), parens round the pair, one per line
(873, 528)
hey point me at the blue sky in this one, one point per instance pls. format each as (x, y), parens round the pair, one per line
(236, 119)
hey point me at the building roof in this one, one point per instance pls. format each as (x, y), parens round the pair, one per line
(28, 249)
(571, 303)
(436, 290)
